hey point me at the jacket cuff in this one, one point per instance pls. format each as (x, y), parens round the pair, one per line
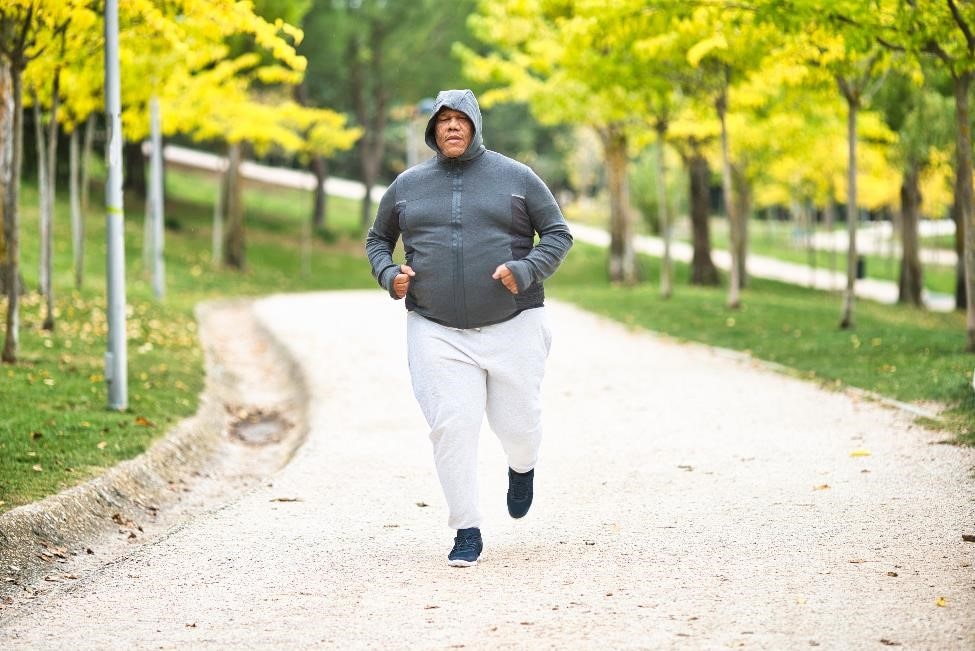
(522, 272)
(386, 279)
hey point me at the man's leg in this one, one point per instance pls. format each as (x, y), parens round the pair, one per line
(516, 366)
(450, 389)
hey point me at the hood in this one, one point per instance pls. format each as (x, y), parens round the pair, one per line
(465, 102)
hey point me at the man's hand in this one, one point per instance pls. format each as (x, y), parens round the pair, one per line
(401, 283)
(507, 278)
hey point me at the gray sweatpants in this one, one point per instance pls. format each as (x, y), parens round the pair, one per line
(458, 376)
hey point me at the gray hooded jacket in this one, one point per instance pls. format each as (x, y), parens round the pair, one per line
(459, 219)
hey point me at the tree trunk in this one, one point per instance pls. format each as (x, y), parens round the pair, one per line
(829, 214)
(134, 178)
(77, 220)
(743, 209)
(47, 144)
(849, 294)
(960, 302)
(218, 207)
(12, 157)
(234, 238)
(319, 167)
(963, 154)
(86, 164)
(734, 284)
(6, 158)
(910, 283)
(622, 257)
(371, 114)
(703, 271)
(666, 265)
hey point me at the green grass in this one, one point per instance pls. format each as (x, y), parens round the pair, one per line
(55, 428)
(907, 354)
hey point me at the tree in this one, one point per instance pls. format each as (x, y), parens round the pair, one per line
(839, 38)
(729, 45)
(27, 27)
(921, 118)
(945, 31)
(368, 56)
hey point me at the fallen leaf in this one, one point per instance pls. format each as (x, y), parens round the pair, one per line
(286, 499)
(431, 607)
(37, 468)
(193, 625)
(102, 445)
(144, 422)
(422, 504)
(967, 537)
(687, 468)
(36, 435)
(887, 642)
(821, 487)
(860, 452)
(940, 602)
(891, 573)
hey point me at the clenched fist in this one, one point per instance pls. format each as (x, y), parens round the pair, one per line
(507, 278)
(401, 283)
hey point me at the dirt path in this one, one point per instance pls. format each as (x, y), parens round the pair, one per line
(684, 500)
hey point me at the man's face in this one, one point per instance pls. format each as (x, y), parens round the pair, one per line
(454, 132)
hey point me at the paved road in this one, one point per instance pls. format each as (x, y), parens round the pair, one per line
(684, 499)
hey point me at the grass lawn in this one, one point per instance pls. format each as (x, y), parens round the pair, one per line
(55, 430)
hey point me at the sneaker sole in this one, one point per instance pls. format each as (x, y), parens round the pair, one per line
(461, 563)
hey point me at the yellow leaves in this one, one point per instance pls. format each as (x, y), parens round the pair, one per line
(860, 452)
(940, 602)
(703, 48)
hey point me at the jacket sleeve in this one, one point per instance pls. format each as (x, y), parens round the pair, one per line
(381, 241)
(554, 242)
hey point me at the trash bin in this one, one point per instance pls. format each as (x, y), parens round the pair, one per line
(861, 267)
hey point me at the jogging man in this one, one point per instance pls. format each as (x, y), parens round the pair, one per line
(477, 334)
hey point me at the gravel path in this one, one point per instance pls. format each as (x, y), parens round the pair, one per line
(684, 499)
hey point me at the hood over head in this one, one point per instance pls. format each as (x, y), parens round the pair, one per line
(465, 102)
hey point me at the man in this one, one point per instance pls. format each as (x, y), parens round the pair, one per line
(477, 335)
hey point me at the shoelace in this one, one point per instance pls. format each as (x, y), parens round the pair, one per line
(465, 543)
(519, 489)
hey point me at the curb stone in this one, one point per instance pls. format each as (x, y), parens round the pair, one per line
(36, 538)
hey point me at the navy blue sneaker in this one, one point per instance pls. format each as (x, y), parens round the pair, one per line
(519, 492)
(467, 548)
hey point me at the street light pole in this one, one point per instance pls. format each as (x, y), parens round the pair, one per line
(116, 367)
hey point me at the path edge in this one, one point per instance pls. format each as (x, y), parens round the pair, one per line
(33, 537)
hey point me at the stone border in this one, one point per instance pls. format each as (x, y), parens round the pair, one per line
(66, 524)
